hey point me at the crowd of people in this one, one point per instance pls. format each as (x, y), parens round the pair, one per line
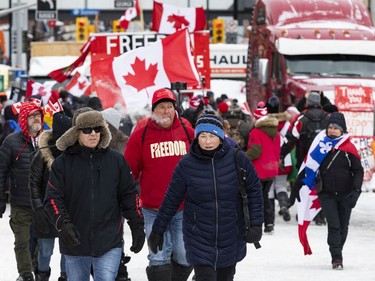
(96, 168)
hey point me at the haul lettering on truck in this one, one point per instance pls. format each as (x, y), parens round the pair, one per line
(228, 60)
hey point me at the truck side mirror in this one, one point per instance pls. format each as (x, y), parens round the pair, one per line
(263, 72)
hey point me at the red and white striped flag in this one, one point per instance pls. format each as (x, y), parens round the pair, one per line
(129, 15)
(168, 19)
(79, 85)
(132, 78)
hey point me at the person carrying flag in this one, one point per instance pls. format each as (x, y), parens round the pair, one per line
(336, 160)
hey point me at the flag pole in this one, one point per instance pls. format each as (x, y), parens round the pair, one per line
(141, 16)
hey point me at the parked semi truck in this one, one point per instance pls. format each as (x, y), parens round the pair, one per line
(317, 45)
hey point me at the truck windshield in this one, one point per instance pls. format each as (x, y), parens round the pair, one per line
(333, 65)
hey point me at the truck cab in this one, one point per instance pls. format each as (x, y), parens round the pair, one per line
(300, 46)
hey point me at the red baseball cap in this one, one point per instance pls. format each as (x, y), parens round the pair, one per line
(163, 94)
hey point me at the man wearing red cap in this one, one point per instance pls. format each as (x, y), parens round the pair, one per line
(153, 153)
(16, 154)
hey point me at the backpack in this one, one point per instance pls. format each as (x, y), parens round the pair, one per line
(312, 124)
(238, 129)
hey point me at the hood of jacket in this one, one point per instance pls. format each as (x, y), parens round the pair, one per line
(90, 119)
(267, 124)
(46, 149)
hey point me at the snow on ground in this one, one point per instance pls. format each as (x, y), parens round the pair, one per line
(280, 258)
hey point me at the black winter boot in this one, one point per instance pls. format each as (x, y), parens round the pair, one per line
(63, 277)
(42, 276)
(122, 274)
(159, 273)
(320, 218)
(180, 272)
(283, 199)
(28, 276)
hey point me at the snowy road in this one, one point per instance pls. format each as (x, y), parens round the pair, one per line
(280, 258)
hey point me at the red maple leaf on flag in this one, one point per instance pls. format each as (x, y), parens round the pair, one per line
(81, 84)
(42, 91)
(179, 21)
(315, 204)
(142, 77)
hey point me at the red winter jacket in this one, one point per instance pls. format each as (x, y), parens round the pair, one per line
(153, 159)
(264, 147)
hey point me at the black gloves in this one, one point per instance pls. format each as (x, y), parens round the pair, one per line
(3, 205)
(294, 194)
(155, 242)
(353, 197)
(138, 236)
(281, 164)
(68, 234)
(255, 234)
(42, 220)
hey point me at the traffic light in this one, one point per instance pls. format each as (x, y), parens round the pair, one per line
(218, 31)
(82, 29)
(116, 27)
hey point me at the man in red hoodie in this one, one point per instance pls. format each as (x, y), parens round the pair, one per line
(152, 153)
(16, 154)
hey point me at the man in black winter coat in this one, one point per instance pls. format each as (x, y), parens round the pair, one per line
(39, 174)
(89, 191)
(16, 154)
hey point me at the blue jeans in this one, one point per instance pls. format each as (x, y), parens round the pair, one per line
(45, 252)
(105, 267)
(173, 240)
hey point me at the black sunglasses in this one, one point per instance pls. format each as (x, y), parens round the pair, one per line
(88, 131)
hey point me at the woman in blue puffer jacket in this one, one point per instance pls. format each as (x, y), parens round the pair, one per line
(214, 225)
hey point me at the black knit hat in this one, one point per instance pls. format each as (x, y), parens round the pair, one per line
(61, 123)
(273, 104)
(339, 119)
(95, 103)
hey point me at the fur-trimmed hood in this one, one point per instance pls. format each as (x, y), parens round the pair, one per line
(281, 117)
(89, 119)
(45, 147)
(266, 121)
(268, 124)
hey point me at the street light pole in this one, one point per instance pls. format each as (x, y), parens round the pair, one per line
(235, 9)
(208, 12)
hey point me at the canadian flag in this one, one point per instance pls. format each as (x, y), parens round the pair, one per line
(129, 14)
(79, 85)
(132, 78)
(61, 74)
(53, 106)
(44, 90)
(168, 19)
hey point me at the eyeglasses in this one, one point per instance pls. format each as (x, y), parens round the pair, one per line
(88, 131)
(35, 115)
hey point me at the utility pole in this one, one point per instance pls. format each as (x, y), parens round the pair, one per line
(235, 9)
